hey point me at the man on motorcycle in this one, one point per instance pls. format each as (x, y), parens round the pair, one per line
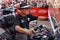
(21, 23)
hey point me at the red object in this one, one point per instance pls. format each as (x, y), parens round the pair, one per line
(39, 12)
(43, 12)
(55, 12)
(33, 11)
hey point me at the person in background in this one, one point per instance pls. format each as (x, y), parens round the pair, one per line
(45, 5)
(40, 4)
(3, 6)
(50, 5)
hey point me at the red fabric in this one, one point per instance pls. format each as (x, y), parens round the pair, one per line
(34, 11)
(39, 12)
(55, 12)
(43, 12)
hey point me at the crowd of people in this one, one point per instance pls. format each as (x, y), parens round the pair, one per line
(14, 5)
(41, 4)
(21, 21)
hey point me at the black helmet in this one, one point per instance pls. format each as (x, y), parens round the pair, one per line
(24, 6)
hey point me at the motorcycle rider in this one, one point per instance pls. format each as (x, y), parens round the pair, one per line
(21, 23)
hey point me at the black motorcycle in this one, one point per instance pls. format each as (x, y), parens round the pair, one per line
(42, 33)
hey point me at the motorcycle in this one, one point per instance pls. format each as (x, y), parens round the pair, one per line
(42, 33)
